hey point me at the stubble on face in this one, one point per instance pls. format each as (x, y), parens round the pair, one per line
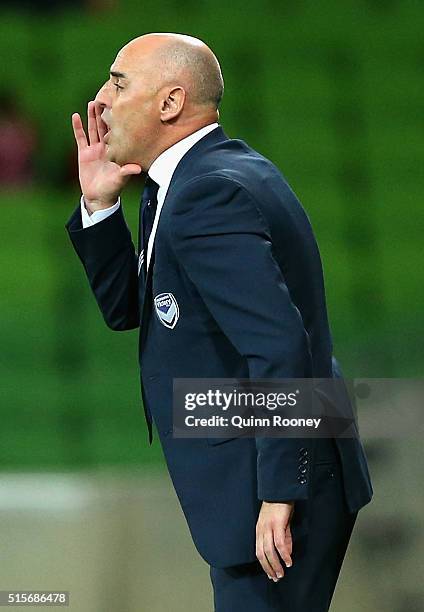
(133, 118)
(143, 115)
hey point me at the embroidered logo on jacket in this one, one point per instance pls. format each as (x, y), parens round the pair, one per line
(167, 310)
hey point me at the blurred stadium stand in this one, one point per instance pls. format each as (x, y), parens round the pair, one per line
(332, 93)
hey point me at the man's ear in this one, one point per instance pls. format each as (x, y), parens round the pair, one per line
(173, 104)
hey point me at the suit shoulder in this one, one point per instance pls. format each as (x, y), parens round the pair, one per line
(232, 166)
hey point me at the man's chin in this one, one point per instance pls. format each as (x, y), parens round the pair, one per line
(110, 154)
(113, 156)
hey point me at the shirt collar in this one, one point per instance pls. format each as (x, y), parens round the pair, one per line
(163, 167)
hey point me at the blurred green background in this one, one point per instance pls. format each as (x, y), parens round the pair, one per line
(332, 92)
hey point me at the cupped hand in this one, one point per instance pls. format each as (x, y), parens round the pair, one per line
(101, 180)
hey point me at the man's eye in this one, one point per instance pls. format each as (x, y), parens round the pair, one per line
(118, 86)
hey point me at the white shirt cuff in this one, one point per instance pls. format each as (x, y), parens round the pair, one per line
(98, 215)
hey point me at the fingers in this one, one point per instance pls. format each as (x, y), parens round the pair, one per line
(93, 135)
(79, 133)
(283, 543)
(96, 127)
(101, 125)
(274, 539)
(289, 543)
(272, 556)
(262, 558)
(130, 169)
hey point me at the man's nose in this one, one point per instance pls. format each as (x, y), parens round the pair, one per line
(102, 98)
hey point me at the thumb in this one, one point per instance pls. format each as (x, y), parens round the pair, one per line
(130, 169)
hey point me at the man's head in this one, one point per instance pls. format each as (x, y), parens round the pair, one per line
(162, 87)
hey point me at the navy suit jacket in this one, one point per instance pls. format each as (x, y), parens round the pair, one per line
(236, 250)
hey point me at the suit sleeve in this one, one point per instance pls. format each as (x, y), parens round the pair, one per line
(223, 242)
(110, 261)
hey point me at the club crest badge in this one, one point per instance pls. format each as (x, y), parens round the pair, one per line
(167, 310)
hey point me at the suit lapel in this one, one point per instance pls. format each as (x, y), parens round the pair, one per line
(188, 166)
(184, 171)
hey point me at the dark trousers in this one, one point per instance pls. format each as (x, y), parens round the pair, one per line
(318, 553)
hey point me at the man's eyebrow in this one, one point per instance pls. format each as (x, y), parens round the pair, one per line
(119, 75)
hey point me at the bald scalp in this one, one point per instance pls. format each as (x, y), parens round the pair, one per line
(186, 61)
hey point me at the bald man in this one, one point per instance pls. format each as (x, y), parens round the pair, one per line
(226, 282)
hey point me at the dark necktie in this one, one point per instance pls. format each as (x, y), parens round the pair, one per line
(147, 215)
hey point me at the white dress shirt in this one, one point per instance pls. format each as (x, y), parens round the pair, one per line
(161, 172)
